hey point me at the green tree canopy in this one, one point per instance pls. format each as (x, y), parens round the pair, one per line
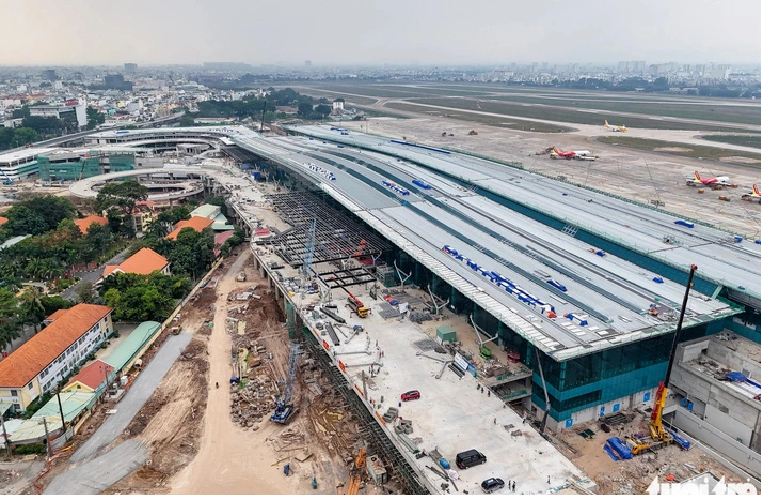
(24, 135)
(123, 195)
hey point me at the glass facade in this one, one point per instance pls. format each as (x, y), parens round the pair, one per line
(90, 166)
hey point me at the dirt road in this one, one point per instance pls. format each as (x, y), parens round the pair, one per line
(230, 460)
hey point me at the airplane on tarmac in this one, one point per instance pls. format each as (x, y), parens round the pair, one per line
(568, 155)
(710, 181)
(616, 128)
(754, 195)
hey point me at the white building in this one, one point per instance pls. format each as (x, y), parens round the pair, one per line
(20, 164)
(61, 110)
(50, 356)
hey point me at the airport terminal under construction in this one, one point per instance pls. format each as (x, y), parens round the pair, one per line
(583, 288)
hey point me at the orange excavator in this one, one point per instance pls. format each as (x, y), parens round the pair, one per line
(355, 483)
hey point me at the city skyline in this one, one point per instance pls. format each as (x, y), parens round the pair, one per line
(423, 33)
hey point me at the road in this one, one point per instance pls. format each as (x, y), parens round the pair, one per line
(230, 461)
(135, 398)
(100, 473)
(71, 293)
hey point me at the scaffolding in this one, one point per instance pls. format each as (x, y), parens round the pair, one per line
(336, 236)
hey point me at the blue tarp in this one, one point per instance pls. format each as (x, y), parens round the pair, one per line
(620, 448)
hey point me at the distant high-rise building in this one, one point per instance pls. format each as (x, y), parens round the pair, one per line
(49, 74)
(116, 81)
(639, 66)
(130, 68)
(307, 63)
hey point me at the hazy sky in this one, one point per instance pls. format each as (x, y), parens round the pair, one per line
(376, 32)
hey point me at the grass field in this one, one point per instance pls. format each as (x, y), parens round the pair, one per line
(563, 114)
(682, 149)
(749, 140)
(562, 105)
(744, 114)
(518, 125)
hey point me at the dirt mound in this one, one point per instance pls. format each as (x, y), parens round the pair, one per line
(170, 421)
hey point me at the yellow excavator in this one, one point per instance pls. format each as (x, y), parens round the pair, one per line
(660, 436)
(357, 471)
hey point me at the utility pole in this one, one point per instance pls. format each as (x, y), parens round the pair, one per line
(47, 437)
(60, 408)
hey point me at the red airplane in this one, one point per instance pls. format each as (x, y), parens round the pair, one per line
(711, 180)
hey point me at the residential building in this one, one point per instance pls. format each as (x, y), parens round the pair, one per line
(70, 110)
(48, 357)
(144, 262)
(85, 223)
(215, 214)
(116, 81)
(130, 68)
(195, 223)
(92, 377)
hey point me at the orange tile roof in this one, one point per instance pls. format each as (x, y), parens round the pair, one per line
(196, 223)
(109, 270)
(143, 262)
(3, 220)
(30, 359)
(84, 223)
(57, 314)
(93, 374)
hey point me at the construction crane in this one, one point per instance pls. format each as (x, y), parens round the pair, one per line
(355, 482)
(357, 306)
(283, 407)
(8, 181)
(660, 435)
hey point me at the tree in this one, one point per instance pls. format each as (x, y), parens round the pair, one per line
(123, 195)
(323, 110)
(24, 135)
(31, 309)
(305, 110)
(22, 112)
(53, 304)
(192, 252)
(84, 292)
(9, 329)
(94, 118)
(52, 209)
(187, 120)
(22, 220)
(8, 304)
(96, 242)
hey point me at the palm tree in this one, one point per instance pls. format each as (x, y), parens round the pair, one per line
(31, 309)
(9, 330)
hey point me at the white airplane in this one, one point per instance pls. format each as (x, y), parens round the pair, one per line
(616, 128)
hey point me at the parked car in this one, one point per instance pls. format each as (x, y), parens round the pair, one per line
(411, 395)
(492, 485)
(469, 458)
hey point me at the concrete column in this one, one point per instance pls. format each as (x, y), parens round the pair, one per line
(501, 333)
